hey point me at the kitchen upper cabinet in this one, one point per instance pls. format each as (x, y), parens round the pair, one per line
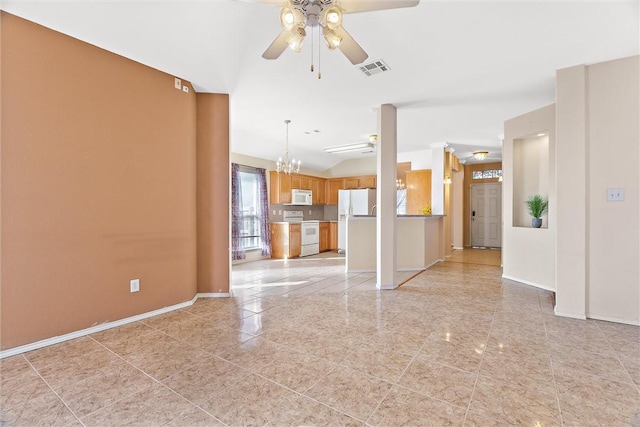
(286, 240)
(355, 182)
(324, 237)
(279, 188)
(301, 182)
(333, 236)
(281, 184)
(325, 191)
(351, 183)
(333, 185)
(318, 186)
(367, 181)
(418, 187)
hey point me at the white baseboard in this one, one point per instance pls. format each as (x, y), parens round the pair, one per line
(458, 248)
(526, 282)
(213, 295)
(433, 263)
(92, 330)
(571, 315)
(615, 319)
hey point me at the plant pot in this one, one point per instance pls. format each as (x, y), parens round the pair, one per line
(536, 222)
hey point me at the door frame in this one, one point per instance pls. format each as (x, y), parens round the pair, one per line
(477, 185)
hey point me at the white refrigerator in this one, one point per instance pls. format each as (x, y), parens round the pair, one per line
(352, 202)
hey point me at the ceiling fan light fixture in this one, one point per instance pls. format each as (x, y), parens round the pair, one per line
(331, 38)
(333, 17)
(291, 18)
(480, 155)
(295, 41)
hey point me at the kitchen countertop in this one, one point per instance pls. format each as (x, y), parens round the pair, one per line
(400, 216)
(299, 222)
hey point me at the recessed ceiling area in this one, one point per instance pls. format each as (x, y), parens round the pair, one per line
(458, 70)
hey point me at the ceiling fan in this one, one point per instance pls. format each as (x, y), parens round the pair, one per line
(326, 16)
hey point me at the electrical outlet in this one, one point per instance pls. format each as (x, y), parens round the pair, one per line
(134, 285)
(615, 195)
(177, 83)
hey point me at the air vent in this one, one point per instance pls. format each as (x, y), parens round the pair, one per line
(375, 67)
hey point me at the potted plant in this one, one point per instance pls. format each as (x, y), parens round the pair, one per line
(537, 206)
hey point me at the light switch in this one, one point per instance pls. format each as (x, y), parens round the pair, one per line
(615, 194)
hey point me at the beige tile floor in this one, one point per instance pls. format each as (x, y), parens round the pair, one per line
(303, 343)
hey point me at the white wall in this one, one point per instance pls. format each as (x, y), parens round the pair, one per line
(457, 200)
(571, 263)
(420, 159)
(354, 167)
(528, 254)
(437, 178)
(613, 291)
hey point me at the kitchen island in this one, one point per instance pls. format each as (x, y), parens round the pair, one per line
(419, 244)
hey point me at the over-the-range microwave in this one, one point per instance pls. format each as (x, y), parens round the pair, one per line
(301, 197)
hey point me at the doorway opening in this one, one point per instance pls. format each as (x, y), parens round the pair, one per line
(486, 215)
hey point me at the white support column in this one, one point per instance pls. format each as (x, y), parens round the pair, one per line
(437, 177)
(386, 198)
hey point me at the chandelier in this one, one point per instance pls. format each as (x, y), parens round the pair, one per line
(283, 164)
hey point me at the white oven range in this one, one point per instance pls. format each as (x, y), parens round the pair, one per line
(310, 238)
(310, 230)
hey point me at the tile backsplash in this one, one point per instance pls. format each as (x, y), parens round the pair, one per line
(322, 213)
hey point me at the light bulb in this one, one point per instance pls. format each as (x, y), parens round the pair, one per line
(333, 17)
(333, 40)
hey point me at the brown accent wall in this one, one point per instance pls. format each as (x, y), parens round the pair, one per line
(98, 186)
(213, 192)
(468, 172)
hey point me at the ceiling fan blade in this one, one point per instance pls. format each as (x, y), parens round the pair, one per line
(350, 47)
(277, 47)
(356, 6)
(279, 3)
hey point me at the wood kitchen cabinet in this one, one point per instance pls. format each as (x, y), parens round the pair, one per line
(355, 182)
(281, 184)
(333, 236)
(301, 182)
(286, 240)
(318, 186)
(279, 188)
(324, 236)
(325, 191)
(351, 183)
(418, 187)
(333, 185)
(368, 181)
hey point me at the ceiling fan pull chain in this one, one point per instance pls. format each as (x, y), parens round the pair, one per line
(312, 51)
(319, 49)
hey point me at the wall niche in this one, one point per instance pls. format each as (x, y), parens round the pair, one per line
(530, 175)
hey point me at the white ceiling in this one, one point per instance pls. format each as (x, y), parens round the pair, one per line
(458, 69)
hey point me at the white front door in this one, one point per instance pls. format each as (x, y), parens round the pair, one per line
(486, 215)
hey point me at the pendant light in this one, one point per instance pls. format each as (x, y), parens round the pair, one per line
(284, 164)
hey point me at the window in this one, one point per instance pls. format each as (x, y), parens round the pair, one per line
(487, 174)
(250, 229)
(249, 211)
